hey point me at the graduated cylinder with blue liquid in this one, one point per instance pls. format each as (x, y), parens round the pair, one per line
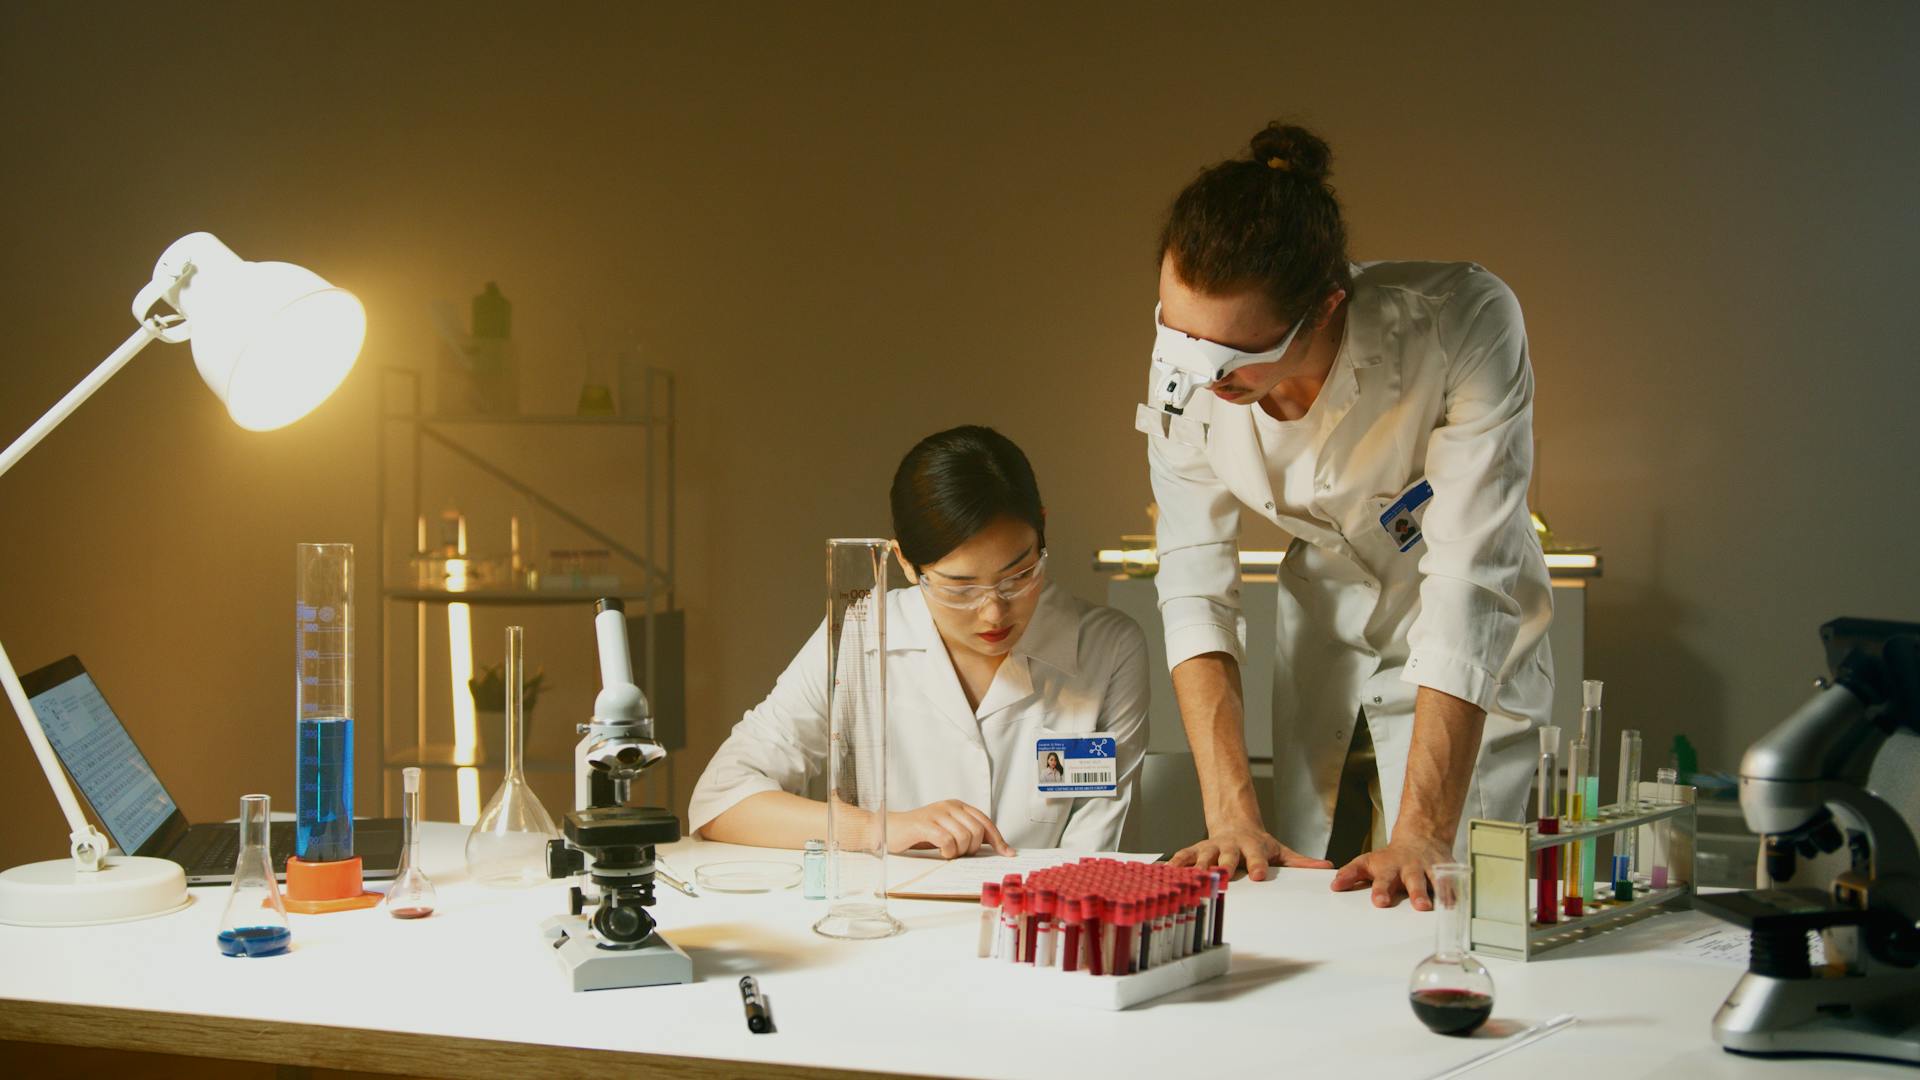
(323, 695)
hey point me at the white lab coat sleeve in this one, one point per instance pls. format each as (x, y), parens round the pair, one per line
(1199, 551)
(1094, 824)
(777, 746)
(1478, 532)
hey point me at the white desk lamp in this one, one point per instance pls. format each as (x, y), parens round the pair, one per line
(271, 340)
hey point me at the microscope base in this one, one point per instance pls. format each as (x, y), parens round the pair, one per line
(658, 962)
(1847, 1016)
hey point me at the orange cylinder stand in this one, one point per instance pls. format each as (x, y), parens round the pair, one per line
(315, 888)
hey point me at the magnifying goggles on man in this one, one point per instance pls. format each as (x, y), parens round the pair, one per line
(1183, 364)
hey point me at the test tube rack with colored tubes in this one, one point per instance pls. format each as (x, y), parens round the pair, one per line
(1105, 933)
(1505, 856)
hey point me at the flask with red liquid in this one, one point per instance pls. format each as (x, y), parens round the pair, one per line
(1451, 992)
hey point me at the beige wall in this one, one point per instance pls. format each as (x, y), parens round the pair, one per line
(846, 228)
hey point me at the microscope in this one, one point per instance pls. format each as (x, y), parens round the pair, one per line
(610, 842)
(1803, 789)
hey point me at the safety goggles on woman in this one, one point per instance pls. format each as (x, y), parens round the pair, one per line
(1009, 588)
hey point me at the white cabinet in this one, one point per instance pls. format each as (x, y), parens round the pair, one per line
(1258, 595)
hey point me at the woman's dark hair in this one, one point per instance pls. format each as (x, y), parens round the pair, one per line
(1267, 221)
(954, 483)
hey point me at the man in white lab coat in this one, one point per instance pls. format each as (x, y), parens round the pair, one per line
(1382, 415)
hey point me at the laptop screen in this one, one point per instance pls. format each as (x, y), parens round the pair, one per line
(100, 755)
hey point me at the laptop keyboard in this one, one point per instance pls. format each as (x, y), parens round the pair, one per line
(214, 851)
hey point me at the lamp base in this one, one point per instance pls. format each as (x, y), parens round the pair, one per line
(127, 887)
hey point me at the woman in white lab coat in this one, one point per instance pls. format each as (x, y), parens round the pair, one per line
(985, 659)
(1381, 414)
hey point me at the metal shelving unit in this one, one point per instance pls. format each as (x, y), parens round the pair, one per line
(419, 715)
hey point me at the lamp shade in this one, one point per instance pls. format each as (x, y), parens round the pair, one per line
(272, 340)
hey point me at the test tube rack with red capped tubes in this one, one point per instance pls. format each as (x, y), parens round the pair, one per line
(1107, 933)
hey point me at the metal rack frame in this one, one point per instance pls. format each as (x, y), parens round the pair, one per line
(1503, 858)
(656, 555)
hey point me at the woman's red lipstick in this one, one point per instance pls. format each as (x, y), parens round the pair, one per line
(996, 636)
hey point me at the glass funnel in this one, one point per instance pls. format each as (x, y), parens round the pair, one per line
(857, 741)
(411, 895)
(1451, 992)
(508, 845)
(254, 922)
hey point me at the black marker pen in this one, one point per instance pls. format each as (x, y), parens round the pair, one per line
(758, 1021)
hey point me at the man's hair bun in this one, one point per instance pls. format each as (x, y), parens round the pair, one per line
(1292, 149)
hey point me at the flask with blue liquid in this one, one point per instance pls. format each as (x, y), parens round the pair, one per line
(254, 922)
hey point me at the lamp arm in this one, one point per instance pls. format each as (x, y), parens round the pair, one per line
(87, 846)
(150, 330)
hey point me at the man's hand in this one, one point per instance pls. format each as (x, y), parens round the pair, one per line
(1397, 870)
(952, 827)
(1247, 844)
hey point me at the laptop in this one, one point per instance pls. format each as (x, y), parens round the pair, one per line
(139, 815)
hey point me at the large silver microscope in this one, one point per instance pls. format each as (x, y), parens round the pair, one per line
(1803, 788)
(610, 842)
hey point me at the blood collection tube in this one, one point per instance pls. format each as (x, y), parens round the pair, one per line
(1070, 936)
(989, 917)
(1013, 906)
(1191, 941)
(1162, 926)
(1099, 931)
(1127, 916)
(1205, 937)
(1029, 927)
(1178, 932)
(1047, 901)
(1219, 875)
(1140, 957)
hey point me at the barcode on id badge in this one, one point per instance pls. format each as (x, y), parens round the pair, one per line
(1096, 776)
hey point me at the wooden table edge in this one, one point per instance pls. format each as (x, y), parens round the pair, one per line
(277, 1042)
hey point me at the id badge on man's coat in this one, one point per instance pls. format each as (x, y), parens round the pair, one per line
(1403, 528)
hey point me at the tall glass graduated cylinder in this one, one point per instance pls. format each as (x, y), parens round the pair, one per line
(323, 702)
(857, 741)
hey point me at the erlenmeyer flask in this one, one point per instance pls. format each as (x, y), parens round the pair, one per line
(508, 845)
(411, 895)
(1451, 992)
(254, 922)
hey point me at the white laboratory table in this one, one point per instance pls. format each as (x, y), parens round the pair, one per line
(1317, 989)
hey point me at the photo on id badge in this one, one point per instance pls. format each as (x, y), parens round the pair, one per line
(1075, 766)
(1400, 520)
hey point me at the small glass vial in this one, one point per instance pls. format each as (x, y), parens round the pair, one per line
(254, 922)
(411, 895)
(813, 867)
(1451, 992)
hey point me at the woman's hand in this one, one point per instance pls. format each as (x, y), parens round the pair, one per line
(950, 826)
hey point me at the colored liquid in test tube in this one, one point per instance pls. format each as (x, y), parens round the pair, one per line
(1546, 897)
(1590, 734)
(1662, 829)
(1576, 813)
(1626, 848)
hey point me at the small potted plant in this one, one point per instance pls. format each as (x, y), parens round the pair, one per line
(490, 699)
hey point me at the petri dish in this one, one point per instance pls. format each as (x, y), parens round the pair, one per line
(747, 876)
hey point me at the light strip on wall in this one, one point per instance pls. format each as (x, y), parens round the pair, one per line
(1566, 564)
